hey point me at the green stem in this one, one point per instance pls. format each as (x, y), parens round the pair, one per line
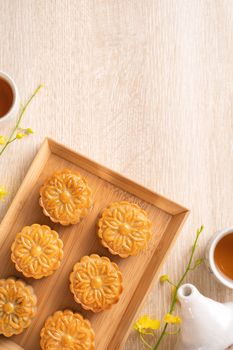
(173, 333)
(23, 110)
(12, 140)
(174, 298)
(172, 284)
(145, 342)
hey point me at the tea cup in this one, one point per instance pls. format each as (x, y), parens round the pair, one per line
(15, 106)
(210, 260)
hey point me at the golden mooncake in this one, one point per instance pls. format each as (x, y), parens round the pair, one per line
(37, 251)
(65, 197)
(96, 283)
(17, 306)
(66, 330)
(124, 228)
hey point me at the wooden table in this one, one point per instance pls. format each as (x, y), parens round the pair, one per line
(141, 86)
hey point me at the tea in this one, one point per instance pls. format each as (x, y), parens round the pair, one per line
(6, 97)
(223, 255)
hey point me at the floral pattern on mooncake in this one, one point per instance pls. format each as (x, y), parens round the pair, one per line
(37, 251)
(124, 228)
(66, 330)
(17, 306)
(65, 197)
(96, 283)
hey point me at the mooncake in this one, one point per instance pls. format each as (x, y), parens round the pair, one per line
(65, 197)
(37, 251)
(96, 283)
(124, 228)
(17, 306)
(66, 330)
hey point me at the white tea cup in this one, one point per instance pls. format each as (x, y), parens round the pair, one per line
(15, 105)
(210, 260)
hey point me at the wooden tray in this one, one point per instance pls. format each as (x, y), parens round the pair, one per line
(111, 326)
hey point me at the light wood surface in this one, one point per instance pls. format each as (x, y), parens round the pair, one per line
(9, 345)
(141, 86)
(79, 240)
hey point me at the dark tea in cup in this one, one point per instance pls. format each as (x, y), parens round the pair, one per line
(6, 97)
(223, 255)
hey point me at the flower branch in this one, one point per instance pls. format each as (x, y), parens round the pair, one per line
(17, 133)
(147, 326)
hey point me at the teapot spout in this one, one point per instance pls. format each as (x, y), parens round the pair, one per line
(206, 324)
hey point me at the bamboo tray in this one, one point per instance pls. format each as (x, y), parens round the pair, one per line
(111, 326)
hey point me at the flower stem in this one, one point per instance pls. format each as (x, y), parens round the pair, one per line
(173, 333)
(174, 298)
(145, 342)
(23, 110)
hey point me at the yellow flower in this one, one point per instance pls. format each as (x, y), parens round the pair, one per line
(169, 318)
(145, 323)
(3, 193)
(20, 135)
(24, 132)
(29, 131)
(2, 140)
(164, 278)
(198, 262)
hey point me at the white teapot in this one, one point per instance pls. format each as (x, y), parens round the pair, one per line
(206, 324)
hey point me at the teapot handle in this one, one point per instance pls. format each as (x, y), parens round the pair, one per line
(9, 345)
